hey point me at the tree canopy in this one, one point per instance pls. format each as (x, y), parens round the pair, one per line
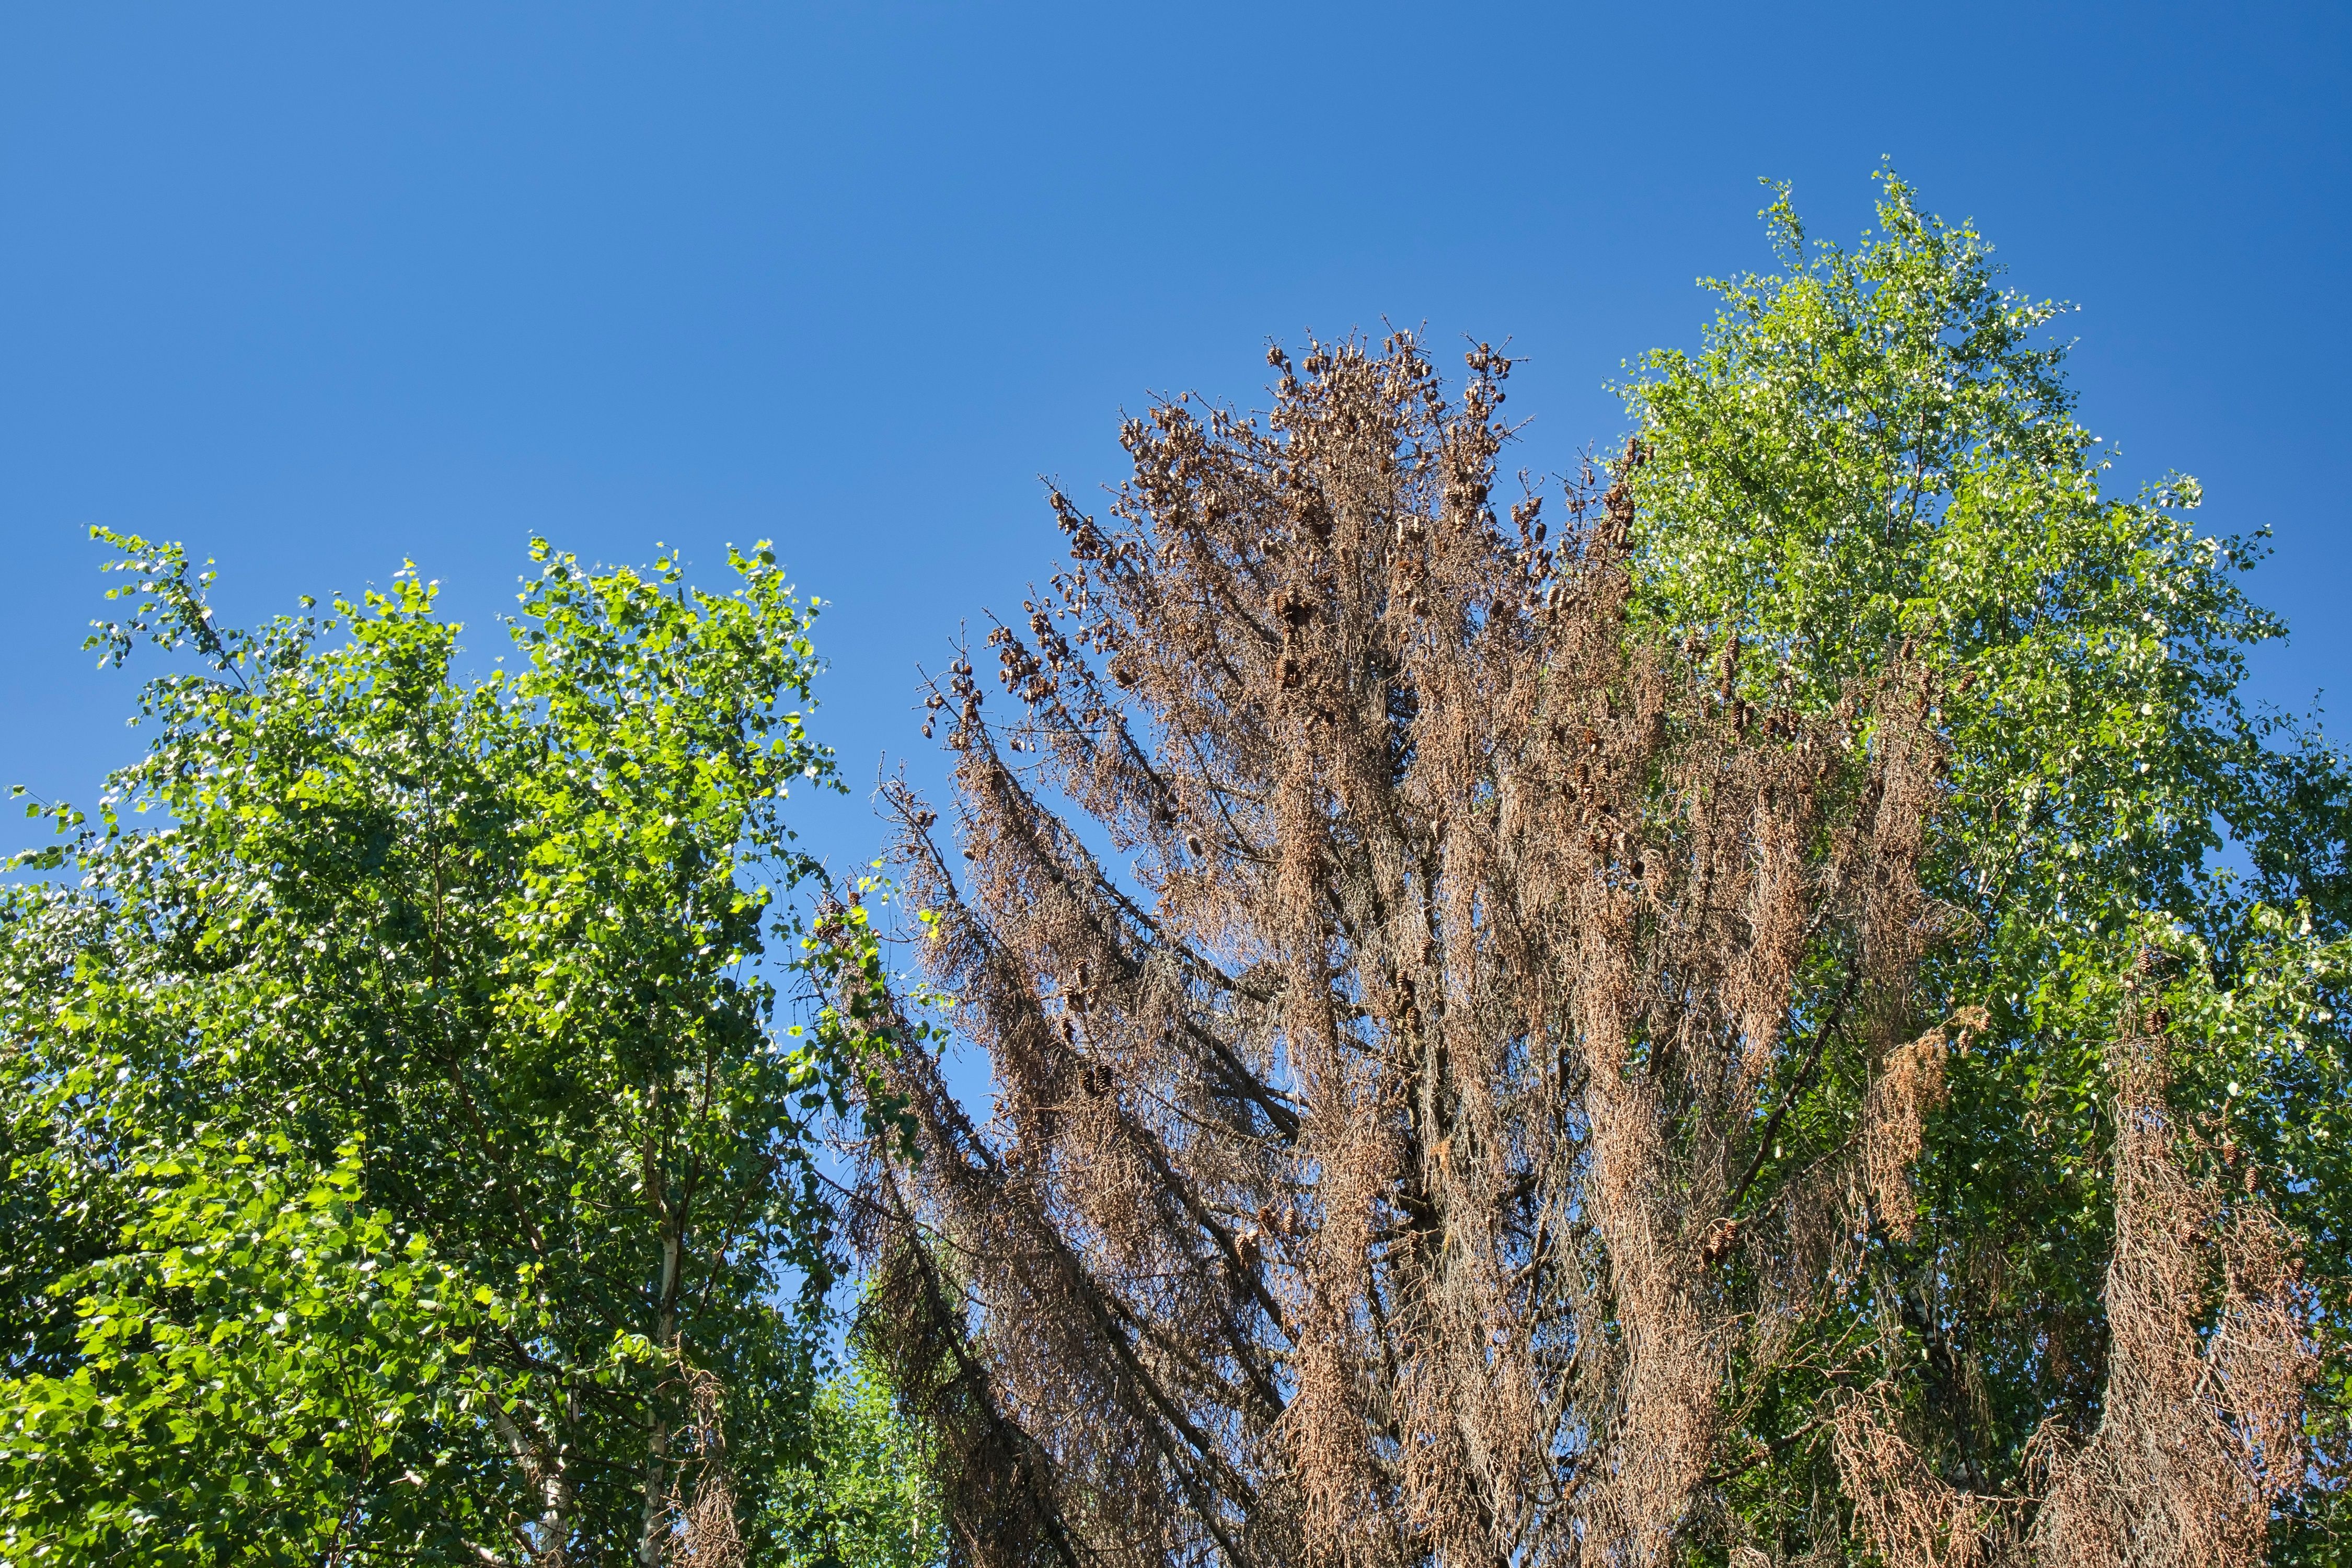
(1770, 1001)
(1877, 450)
(1365, 1184)
(407, 1157)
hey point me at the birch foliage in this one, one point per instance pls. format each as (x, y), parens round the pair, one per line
(404, 1129)
(1877, 449)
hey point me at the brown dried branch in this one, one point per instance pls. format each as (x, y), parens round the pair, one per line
(2209, 1320)
(701, 1529)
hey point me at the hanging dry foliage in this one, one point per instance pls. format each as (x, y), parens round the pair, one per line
(698, 1529)
(2201, 1429)
(1395, 1165)
(2210, 1353)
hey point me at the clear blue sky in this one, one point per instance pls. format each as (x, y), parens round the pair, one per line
(318, 288)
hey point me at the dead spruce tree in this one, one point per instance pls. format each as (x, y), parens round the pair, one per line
(1397, 1166)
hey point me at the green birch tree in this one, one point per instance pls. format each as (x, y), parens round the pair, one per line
(1874, 453)
(408, 1158)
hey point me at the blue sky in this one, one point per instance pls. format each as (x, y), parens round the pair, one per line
(316, 289)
